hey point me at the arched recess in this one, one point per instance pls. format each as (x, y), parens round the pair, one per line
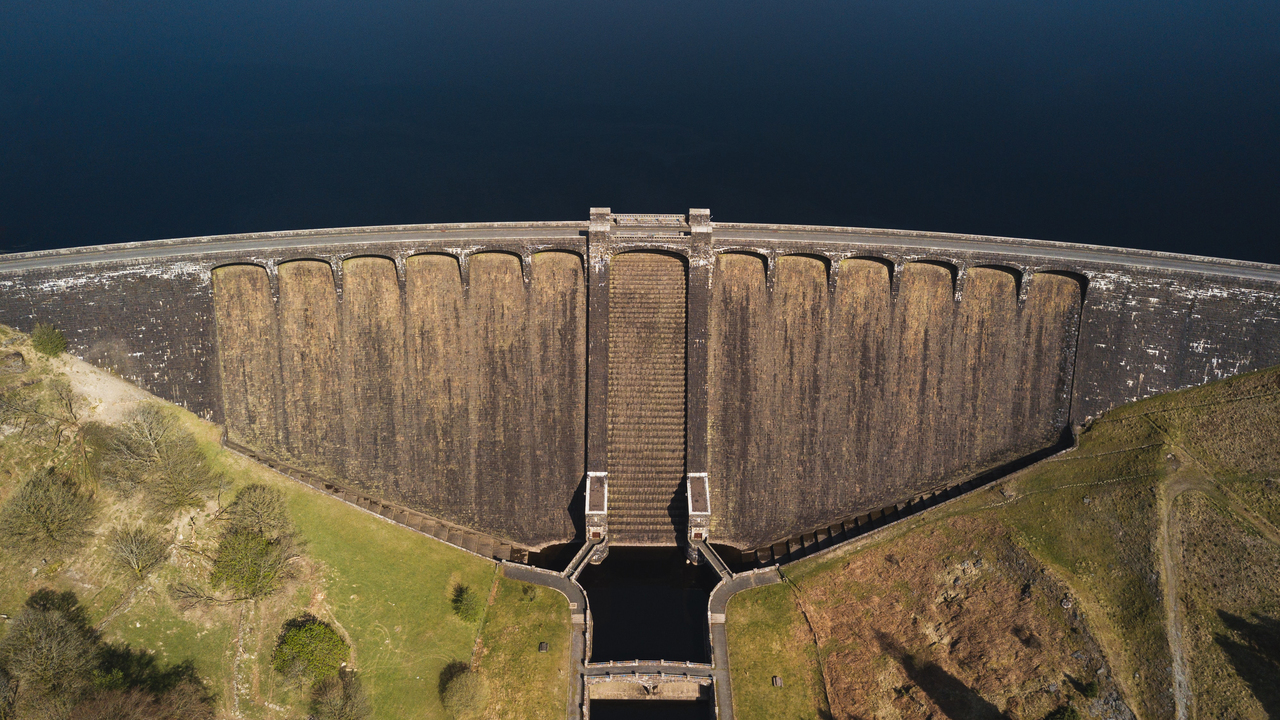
(557, 399)
(1013, 272)
(373, 362)
(823, 260)
(248, 360)
(741, 260)
(438, 384)
(1080, 279)
(950, 267)
(310, 367)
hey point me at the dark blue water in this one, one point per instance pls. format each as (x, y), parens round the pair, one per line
(1146, 124)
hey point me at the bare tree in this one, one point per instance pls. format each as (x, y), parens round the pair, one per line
(50, 655)
(153, 453)
(8, 693)
(44, 405)
(185, 701)
(340, 698)
(137, 549)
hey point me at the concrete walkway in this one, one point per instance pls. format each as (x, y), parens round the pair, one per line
(651, 667)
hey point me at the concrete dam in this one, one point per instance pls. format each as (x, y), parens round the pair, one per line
(651, 378)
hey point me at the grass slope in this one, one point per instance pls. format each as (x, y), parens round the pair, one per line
(387, 589)
(961, 609)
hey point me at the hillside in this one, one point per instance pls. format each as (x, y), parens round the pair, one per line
(1136, 575)
(387, 590)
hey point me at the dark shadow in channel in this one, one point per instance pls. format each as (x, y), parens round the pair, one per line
(650, 710)
(955, 699)
(1254, 650)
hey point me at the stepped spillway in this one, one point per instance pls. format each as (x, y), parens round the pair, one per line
(646, 399)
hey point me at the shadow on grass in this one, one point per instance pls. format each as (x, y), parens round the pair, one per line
(114, 667)
(1254, 650)
(64, 602)
(122, 667)
(953, 697)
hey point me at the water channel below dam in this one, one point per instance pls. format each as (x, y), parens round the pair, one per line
(647, 603)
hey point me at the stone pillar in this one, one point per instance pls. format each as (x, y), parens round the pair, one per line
(598, 510)
(701, 266)
(598, 252)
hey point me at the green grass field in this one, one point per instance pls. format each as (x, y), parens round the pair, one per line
(525, 684)
(386, 588)
(768, 622)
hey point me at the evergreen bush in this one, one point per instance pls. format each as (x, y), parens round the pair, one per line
(48, 340)
(467, 604)
(309, 648)
(259, 509)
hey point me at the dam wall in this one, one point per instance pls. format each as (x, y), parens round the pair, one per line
(855, 394)
(476, 373)
(413, 389)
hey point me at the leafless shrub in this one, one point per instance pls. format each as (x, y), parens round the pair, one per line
(46, 410)
(137, 549)
(185, 701)
(340, 698)
(8, 694)
(188, 596)
(153, 453)
(47, 513)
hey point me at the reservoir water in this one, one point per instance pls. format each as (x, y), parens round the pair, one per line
(1137, 123)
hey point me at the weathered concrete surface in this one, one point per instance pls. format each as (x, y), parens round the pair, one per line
(826, 403)
(466, 405)
(444, 367)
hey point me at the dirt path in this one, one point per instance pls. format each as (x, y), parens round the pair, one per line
(1182, 480)
(1189, 476)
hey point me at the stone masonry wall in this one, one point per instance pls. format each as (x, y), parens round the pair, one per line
(465, 404)
(444, 367)
(825, 402)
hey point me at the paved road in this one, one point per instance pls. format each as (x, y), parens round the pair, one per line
(1066, 252)
(939, 242)
(580, 614)
(275, 241)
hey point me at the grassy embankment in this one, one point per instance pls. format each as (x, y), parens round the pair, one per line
(961, 609)
(386, 588)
